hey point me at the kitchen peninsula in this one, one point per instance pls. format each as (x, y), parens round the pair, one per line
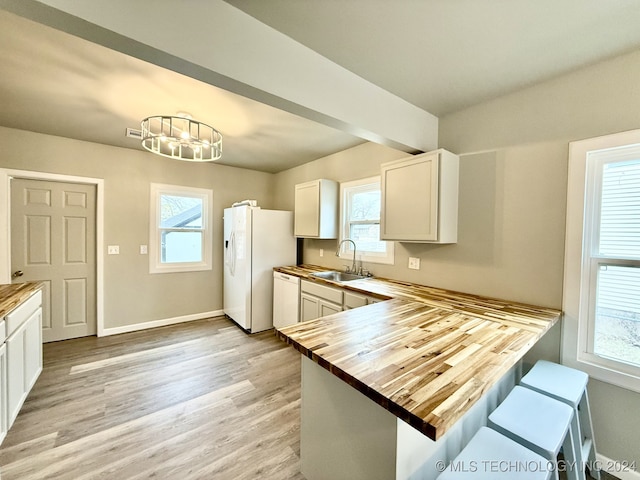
(392, 388)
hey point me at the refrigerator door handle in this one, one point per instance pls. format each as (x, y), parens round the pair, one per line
(232, 253)
(227, 251)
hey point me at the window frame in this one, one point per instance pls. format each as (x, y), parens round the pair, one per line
(582, 261)
(346, 250)
(157, 190)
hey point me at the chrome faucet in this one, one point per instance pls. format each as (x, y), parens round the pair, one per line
(353, 268)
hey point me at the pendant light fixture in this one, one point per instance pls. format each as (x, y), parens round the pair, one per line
(182, 138)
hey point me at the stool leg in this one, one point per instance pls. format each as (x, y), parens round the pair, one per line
(569, 448)
(589, 446)
(577, 436)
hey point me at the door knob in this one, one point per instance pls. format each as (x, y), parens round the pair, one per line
(17, 273)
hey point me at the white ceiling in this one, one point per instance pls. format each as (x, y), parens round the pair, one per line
(445, 55)
(440, 55)
(58, 84)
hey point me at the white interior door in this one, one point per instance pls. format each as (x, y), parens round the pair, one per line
(53, 238)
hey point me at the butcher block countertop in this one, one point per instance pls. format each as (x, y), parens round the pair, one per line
(426, 355)
(13, 294)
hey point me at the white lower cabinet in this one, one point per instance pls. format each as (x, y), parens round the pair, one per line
(327, 308)
(3, 392)
(312, 307)
(318, 300)
(354, 300)
(308, 307)
(16, 393)
(23, 354)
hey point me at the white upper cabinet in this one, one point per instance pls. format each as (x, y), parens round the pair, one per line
(316, 209)
(420, 198)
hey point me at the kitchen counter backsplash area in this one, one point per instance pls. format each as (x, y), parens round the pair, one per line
(484, 307)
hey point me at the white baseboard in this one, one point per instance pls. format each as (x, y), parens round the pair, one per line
(618, 469)
(160, 323)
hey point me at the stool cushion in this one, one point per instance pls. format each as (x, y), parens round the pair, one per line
(490, 455)
(562, 383)
(534, 420)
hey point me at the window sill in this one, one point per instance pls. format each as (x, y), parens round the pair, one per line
(603, 373)
(179, 268)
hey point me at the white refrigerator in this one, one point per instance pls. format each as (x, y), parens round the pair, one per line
(255, 241)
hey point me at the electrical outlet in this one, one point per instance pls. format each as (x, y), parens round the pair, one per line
(322, 252)
(113, 249)
(143, 250)
(414, 263)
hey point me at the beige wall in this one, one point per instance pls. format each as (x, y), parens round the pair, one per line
(131, 294)
(510, 202)
(513, 176)
(531, 130)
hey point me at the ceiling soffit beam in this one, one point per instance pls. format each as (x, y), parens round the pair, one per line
(216, 43)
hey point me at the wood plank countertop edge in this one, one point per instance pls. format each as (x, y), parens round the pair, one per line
(13, 294)
(418, 311)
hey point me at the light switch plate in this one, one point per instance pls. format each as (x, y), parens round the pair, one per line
(113, 249)
(322, 252)
(414, 263)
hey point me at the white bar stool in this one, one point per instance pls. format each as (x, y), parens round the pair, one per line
(492, 456)
(540, 424)
(569, 386)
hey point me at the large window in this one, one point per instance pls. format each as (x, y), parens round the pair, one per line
(602, 266)
(361, 221)
(180, 236)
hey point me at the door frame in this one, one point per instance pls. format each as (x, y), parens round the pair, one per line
(5, 234)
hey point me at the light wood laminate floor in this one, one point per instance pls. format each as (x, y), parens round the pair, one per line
(200, 400)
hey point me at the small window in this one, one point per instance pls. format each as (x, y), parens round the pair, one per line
(180, 236)
(601, 325)
(361, 201)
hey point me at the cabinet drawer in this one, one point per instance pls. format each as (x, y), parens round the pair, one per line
(328, 293)
(3, 336)
(21, 313)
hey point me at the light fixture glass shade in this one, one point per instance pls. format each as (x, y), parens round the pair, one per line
(181, 138)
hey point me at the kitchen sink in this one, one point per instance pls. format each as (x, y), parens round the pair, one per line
(338, 276)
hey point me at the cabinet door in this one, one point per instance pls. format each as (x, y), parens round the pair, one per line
(32, 349)
(3, 392)
(327, 308)
(307, 210)
(410, 199)
(24, 362)
(308, 307)
(354, 300)
(16, 392)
